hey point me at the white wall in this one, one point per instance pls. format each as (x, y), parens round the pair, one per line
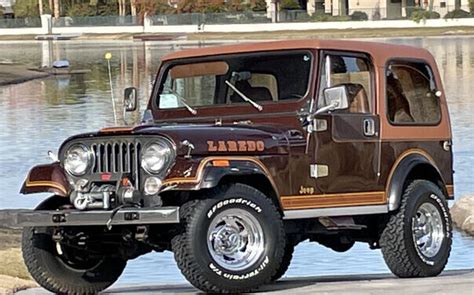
(385, 24)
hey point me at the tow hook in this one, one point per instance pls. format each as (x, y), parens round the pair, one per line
(57, 236)
(142, 233)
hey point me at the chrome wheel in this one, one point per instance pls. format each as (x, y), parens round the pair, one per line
(428, 231)
(235, 239)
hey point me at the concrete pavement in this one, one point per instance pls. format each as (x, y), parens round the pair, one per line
(459, 282)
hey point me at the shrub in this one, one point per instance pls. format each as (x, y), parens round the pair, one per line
(330, 18)
(419, 14)
(289, 5)
(261, 5)
(360, 15)
(26, 8)
(457, 13)
(471, 6)
(83, 9)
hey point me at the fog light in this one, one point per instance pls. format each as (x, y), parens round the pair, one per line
(152, 185)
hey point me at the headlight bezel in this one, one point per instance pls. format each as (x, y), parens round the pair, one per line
(167, 161)
(90, 159)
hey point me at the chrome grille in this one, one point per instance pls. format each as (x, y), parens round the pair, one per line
(117, 157)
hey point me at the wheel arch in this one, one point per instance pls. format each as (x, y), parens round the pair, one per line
(258, 181)
(412, 166)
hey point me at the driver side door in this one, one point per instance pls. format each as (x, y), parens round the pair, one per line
(346, 158)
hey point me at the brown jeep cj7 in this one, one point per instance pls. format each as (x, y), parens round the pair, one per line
(243, 152)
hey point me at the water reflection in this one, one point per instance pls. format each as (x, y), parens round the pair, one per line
(37, 116)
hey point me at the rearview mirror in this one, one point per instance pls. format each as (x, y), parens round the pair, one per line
(130, 99)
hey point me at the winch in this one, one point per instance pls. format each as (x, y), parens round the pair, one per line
(104, 197)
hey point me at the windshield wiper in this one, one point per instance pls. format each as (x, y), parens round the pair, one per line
(183, 101)
(244, 97)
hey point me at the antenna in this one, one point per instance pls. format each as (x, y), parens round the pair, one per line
(108, 56)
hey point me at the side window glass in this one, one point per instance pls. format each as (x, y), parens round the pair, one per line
(354, 74)
(411, 94)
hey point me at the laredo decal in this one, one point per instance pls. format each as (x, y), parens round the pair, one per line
(235, 146)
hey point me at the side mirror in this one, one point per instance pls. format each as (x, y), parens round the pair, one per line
(130, 100)
(335, 98)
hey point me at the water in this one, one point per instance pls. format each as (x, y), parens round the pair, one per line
(38, 115)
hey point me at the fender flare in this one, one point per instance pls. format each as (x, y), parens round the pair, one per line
(213, 175)
(401, 172)
(212, 170)
(49, 178)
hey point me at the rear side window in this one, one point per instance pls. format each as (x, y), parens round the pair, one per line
(411, 94)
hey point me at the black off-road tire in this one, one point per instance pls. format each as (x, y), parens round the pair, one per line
(286, 261)
(52, 273)
(397, 241)
(193, 255)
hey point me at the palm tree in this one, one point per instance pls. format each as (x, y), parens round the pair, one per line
(56, 8)
(133, 7)
(40, 6)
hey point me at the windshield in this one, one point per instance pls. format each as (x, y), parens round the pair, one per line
(244, 79)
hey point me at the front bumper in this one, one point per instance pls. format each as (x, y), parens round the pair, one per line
(125, 216)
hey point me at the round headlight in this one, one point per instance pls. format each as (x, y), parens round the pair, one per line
(77, 159)
(155, 157)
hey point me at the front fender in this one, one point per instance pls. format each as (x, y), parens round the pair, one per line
(212, 169)
(46, 178)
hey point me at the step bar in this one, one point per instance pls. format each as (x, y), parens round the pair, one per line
(125, 216)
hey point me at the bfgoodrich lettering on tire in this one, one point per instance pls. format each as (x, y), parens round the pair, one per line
(232, 242)
(416, 241)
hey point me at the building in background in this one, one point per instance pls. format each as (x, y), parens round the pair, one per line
(7, 8)
(376, 9)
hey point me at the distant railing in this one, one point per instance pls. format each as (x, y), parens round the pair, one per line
(402, 12)
(95, 21)
(250, 17)
(29, 22)
(210, 18)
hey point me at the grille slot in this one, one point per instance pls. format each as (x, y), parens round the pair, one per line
(117, 157)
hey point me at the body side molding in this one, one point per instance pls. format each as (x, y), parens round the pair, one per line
(338, 211)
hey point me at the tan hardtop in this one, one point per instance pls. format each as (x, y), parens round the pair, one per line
(380, 52)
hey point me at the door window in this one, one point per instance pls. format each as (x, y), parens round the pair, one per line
(353, 73)
(411, 94)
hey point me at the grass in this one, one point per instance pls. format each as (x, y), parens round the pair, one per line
(13, 274)
(9, 285)
(12, 264)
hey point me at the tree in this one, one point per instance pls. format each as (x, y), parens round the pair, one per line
(26, 8)
(56, 8)
(122, 7)
(133, 7)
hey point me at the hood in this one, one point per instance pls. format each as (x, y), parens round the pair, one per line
(209, 139)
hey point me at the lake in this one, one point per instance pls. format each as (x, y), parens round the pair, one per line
(38, 115)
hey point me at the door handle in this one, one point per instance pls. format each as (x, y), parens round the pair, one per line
(369, 127)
